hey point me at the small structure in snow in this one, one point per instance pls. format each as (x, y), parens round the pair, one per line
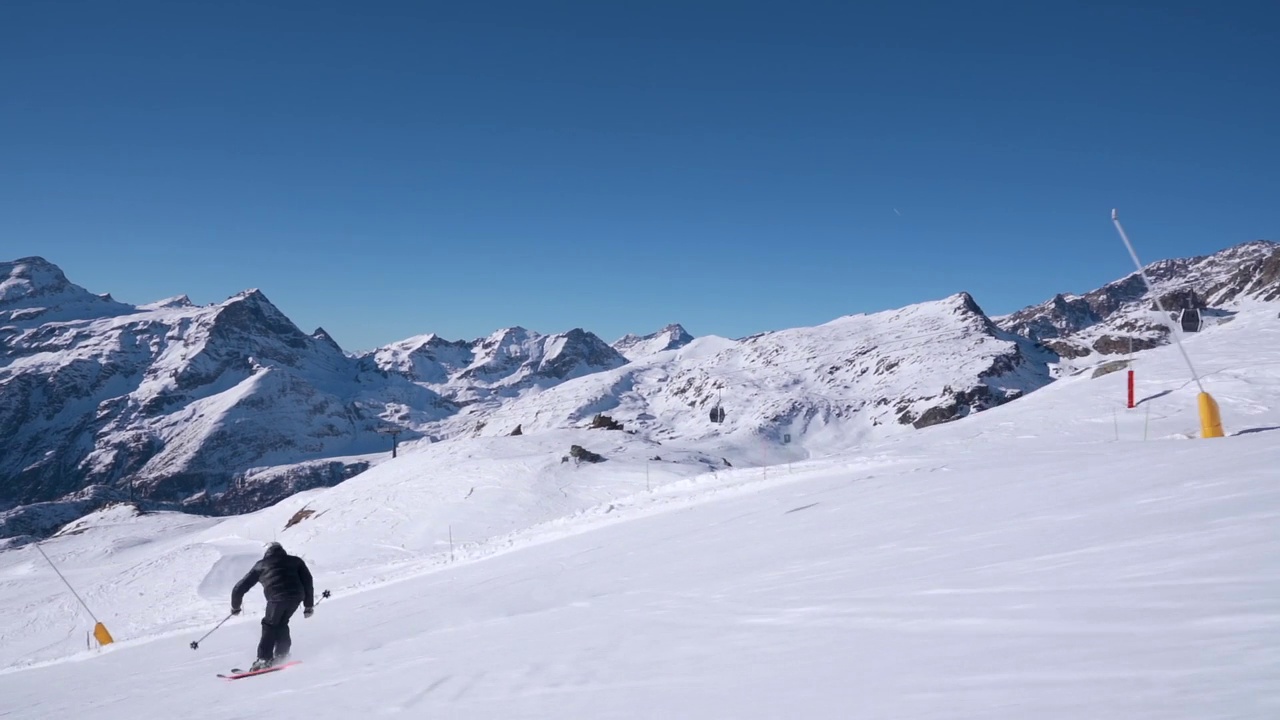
(392, 431)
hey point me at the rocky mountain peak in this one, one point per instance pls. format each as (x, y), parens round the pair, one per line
(249, 314)
(173, 303)
(324, 338)
(671, 337)
(965, 304)
(32, 277)
(35, 291)
(577, 352)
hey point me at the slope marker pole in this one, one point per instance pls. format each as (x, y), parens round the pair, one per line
(100, 632)
(1210, 418)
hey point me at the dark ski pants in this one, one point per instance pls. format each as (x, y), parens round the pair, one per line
(275, 629)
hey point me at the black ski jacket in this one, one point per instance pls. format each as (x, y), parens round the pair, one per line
(284, 577)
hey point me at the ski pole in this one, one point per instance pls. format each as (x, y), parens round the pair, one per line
(195, 644)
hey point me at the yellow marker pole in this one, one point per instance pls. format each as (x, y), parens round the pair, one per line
(1210, 418)
(100, 632)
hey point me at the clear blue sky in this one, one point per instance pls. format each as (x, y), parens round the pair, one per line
(390, 168)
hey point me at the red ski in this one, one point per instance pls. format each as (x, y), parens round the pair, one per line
(236, 674)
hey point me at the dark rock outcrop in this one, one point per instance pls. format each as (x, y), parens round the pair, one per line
(581, 454)
(604, 422)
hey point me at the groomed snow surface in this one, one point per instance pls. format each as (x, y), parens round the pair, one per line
(1058, 557)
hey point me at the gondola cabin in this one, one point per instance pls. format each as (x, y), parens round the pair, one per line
(717, 414)
(1190, 320)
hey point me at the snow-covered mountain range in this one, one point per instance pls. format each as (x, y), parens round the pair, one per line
(229, 407)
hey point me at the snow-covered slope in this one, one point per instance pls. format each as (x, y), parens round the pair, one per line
(1055, 557)
(470, 490)
(824, 387)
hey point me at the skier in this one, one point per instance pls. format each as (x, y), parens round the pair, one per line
(286, 583)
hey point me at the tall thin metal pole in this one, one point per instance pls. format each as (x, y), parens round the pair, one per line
(64, 581)
(1115, 218)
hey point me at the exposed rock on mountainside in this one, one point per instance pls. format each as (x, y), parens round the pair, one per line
(581, 454)
(1108, 319)
(172, 400)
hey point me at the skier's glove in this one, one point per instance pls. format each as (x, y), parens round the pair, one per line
(307, 612)
(235, 611)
